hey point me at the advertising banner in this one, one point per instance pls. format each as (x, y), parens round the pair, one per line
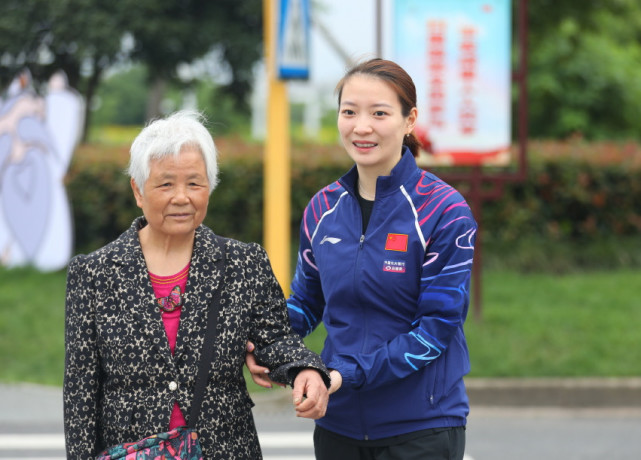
(458, 54)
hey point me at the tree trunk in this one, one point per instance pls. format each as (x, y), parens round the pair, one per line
(156, 94)
(92, 86)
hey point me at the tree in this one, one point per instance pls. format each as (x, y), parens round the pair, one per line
(122, 98)
(80, 37)
(84, 38)
(584, 73)
(169, 33)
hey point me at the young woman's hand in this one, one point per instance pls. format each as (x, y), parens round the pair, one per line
(336, 380)
(260, 374)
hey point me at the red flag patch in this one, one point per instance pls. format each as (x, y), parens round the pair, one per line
(396, 242)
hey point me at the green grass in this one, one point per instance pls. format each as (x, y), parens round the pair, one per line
(578, 324)
(32, 314)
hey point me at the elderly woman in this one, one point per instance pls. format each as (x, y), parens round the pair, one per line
(136, 314)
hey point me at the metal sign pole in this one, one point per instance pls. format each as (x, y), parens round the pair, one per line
(277, 175)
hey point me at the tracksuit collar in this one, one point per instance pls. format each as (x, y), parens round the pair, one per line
(384, 184)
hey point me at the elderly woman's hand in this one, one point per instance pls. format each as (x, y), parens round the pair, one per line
(310, 394)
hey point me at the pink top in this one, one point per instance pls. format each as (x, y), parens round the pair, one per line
(162, 288)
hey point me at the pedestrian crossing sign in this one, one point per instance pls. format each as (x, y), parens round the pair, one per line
(293, 40)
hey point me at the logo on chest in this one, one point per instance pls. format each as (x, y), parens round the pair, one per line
(330, 239)
(394, 266)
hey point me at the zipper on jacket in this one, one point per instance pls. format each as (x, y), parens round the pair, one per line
(364, 425)
(357, 283)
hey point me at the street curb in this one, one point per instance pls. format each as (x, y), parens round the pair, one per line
(579, 393)
(555, 392)
(517, 392)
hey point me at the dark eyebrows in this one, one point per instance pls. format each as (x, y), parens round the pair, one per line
(377, 105)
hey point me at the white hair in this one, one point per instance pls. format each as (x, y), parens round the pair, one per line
(168, 136)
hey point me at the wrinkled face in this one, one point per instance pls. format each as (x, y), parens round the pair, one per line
(371, 123)
(176, 194)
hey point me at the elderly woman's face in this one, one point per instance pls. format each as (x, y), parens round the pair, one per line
(176, 193)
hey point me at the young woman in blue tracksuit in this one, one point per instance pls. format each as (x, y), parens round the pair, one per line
(384, 262)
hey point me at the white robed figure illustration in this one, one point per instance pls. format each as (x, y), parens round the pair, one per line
(37, 139)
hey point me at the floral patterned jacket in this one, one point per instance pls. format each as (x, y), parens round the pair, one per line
(121, 379)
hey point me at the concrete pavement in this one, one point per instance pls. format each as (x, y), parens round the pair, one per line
(22, 401)
(529, 419)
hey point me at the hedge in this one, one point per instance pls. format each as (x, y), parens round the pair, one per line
(585, 210)
(103, 204)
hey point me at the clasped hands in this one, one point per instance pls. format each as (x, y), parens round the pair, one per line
(310, 395)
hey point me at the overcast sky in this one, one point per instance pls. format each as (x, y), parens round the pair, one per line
(353, 24)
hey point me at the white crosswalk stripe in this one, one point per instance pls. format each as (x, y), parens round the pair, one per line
(286, 439)
(31, 441)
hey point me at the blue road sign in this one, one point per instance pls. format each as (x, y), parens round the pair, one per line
(292, 53)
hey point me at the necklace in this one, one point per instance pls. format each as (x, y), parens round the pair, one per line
(364, 194)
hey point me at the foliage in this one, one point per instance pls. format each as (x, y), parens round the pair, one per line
(102, 202)
(576, 195)
(580, 201)
(122, 98)
(222, 110)
(103, 205)
(107, 137)
(80, 37)
(168, 33)
(568, 201)
(539, 254)
(47, 36)
(532, 325)
(85, 38)
(583, 74)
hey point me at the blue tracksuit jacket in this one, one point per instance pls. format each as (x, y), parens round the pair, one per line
(393, 301)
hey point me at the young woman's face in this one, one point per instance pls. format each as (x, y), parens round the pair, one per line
(176, 194)
(371, 123)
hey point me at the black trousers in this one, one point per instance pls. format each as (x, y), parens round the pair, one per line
(433, 444)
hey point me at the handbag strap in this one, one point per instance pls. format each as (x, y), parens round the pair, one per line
(208, 344)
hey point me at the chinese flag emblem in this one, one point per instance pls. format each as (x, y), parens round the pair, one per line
(396, 242)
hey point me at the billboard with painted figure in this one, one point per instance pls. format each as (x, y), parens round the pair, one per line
(38, 135)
